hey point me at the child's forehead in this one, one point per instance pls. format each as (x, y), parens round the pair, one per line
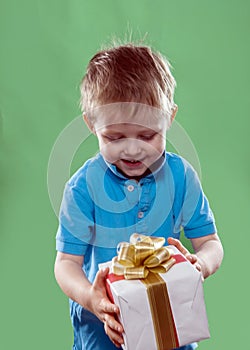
(129, 113)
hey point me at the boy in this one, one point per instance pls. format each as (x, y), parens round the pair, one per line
(132, 185)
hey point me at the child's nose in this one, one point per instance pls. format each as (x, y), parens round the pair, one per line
(132, 147)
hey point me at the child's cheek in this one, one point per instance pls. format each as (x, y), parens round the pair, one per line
(110, 152)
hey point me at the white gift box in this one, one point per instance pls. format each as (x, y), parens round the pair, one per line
(179, 320)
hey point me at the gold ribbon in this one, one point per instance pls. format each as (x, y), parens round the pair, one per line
(141, 255)
(163, 321)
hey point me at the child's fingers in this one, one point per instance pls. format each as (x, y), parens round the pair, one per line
(192, 258)
(177, 243)
(101, 305)
(105, 310)
(100, 279)
(112, 323)
(101, 276)
(198, 266)
(108, 307)
(116, 339)
(114, 330)
(195, 262)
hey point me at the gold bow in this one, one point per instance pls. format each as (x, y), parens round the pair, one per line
(141, 255)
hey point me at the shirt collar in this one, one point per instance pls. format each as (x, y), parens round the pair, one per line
(151, 175)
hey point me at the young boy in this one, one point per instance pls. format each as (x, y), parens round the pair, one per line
(132, 185)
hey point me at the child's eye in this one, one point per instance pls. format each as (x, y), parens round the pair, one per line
(112, 137)
(147, 137)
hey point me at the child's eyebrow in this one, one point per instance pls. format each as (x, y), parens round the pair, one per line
(112, 132)
(141, 130)
(149, 131)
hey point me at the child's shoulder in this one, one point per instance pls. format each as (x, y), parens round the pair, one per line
(177, 162)
(91, 167)
(180, 168)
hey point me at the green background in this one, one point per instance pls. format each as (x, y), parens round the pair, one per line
(44, 49)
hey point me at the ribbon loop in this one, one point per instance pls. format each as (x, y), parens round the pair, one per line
(126, 254)
(141, 255)
(158, 257)
(135, 272)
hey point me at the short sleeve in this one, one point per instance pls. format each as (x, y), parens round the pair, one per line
(76, 225)
(195, 214)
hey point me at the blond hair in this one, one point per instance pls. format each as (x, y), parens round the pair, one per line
(128, 73)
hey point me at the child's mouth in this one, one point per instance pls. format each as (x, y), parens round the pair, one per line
(131, 163)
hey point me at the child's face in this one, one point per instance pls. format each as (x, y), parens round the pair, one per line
(132, 146)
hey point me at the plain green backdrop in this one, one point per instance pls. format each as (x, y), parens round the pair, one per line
(44, 50)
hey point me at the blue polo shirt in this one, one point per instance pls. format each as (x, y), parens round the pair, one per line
(101, 207)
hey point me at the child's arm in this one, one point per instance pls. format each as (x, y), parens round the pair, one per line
(208, 253)
(93, 297)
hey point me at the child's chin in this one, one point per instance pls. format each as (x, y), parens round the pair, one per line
(134, 173)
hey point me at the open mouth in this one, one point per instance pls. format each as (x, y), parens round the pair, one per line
(131, 163)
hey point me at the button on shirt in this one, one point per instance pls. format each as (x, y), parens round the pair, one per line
(140, 214)
(130, 188)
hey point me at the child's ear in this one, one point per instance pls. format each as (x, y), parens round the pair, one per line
(174, 111)
(88, 123)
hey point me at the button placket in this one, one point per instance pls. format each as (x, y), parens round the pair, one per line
(131, 192)
(144, 200)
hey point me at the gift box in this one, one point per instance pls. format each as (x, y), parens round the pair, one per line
(159, 293)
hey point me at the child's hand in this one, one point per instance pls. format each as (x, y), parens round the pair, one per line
(193, 258)
(106, 311)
